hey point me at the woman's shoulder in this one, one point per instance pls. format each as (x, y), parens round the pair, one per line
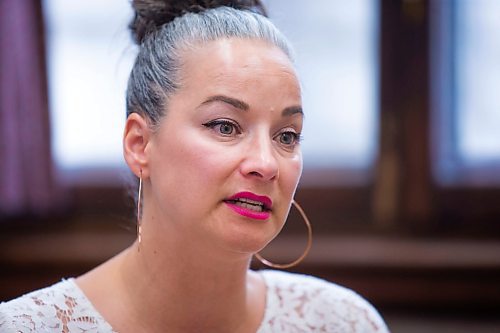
(61, 307)
(317, 305)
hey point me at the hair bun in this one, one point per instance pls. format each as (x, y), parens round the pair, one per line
(152, 14)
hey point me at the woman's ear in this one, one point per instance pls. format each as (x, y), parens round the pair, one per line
(135, 141)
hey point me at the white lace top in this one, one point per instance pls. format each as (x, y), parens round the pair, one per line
(295, 303)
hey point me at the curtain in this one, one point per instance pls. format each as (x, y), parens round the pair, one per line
(26, 182)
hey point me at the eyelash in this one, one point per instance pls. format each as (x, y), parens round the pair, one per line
(218, 122)
(297, 137)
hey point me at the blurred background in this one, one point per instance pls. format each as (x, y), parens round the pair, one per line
(401, 149)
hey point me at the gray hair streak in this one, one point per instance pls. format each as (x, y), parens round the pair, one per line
(155, 75)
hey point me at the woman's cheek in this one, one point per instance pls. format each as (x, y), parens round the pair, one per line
(296, 166)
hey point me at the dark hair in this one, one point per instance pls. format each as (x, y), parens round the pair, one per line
(164, 30)
(150, 15)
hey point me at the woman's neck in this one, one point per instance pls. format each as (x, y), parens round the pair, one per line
(182, 289)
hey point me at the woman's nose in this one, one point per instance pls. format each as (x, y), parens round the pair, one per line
(260, 160)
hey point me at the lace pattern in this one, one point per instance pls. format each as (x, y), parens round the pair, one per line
(295, 303)
(60, 308)
(300, 303)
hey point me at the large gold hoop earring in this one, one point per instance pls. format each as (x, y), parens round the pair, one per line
(139, 203)
(306, 251)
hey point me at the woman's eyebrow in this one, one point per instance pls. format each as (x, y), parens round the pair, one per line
(229, 100)
(291, 110)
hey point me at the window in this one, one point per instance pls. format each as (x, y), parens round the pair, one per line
(89, 58)
(466, 59)
(90, 55)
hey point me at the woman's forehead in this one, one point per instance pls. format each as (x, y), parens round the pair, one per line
(238, 59)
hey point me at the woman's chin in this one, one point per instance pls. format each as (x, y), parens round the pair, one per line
(247, 241)
(243, 235)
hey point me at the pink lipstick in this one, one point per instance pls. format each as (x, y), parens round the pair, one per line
(250, 205)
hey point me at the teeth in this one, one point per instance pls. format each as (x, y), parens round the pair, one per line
(253, 202)
(255, 207)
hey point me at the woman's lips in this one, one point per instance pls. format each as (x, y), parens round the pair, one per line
(250, 205)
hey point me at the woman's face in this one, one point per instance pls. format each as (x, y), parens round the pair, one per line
(225, 162)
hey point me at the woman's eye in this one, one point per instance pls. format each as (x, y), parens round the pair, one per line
(226, 129)
(289, 138)
(223, 127)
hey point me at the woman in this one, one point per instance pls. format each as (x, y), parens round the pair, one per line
(213, 132)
